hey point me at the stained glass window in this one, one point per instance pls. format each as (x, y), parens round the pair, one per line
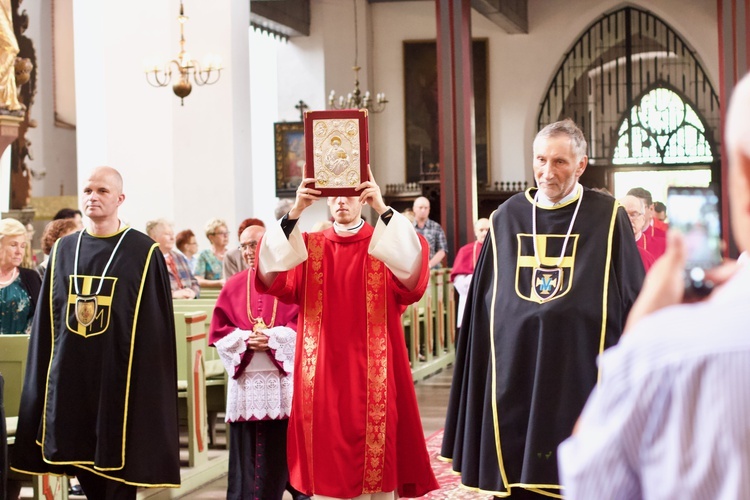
(664, 130)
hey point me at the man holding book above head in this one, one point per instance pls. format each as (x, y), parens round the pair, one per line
(355, 430)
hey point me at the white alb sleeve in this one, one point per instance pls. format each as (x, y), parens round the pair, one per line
(231, 348)
(397, 246)
(279, 254)
(283, 340)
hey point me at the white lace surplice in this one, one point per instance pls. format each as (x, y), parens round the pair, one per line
(262, 391)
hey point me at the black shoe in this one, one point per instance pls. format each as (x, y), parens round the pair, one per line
(76, 490)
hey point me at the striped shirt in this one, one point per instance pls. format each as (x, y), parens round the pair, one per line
(670, 418)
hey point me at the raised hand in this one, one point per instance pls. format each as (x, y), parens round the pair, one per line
(371, 194)
(305, 197)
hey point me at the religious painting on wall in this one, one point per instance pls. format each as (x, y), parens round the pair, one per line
(421, 110)
(289, 138)
(337, 149)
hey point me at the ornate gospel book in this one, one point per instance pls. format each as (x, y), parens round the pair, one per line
(336, 150)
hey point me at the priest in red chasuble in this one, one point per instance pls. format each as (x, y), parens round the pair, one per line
(355, 430)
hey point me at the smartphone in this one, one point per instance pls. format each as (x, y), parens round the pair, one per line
(694, 211)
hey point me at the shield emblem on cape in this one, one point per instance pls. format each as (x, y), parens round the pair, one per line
(546, 282)
(86, 309)
(89, 313)
(547, 276)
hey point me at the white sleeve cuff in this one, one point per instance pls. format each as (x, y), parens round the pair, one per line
(283, 340)
(231, 348)
(279, 254)
(397, 246)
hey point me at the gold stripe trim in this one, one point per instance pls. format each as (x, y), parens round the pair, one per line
(312, 320)
(377, 374)
(495, 420)
(99, 472)
(605, 294)
(132, 348)
(51, 270)
(121, 229)
(554, 207)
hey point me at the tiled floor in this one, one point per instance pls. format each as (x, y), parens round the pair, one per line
(432, 397)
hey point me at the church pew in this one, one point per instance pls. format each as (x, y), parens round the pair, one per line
(439, 310)
(429, 328)
(215, 374)
(451, 305)
(210, 293)
(190, 335)
(214, 367)
(13, 355)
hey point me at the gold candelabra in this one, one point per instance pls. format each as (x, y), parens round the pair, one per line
(206, 74)
(355, 99)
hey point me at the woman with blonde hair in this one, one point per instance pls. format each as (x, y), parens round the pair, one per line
(208, 269)
(19, 287)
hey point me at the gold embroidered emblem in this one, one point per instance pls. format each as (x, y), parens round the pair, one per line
(89, 314)
(86, 308)
(551, 281)
(546, 282)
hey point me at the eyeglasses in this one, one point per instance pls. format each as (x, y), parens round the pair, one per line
(221, 233)
(635, 215)
(251, 245)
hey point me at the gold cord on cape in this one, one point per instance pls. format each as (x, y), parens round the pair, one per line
(258, 323)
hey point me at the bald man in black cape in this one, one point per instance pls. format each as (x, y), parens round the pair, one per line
(100, 395)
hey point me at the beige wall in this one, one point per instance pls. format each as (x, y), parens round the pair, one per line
(521, 66)
(194, 162)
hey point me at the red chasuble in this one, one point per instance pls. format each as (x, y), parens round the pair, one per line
(355, 426)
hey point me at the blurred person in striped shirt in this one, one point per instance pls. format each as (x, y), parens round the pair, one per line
(669, 416)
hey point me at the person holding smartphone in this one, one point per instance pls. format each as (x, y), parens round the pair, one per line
(669, 417)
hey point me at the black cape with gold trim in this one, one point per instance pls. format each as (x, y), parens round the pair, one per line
(525, 362)
(103, 397)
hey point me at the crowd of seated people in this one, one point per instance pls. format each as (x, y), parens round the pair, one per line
(189, 269)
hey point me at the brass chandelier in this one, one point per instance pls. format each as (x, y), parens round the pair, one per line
(355, 99)
(206, 74)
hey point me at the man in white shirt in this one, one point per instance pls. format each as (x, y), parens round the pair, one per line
(669, 417)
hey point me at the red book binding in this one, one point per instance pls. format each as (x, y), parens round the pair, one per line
(337, 150)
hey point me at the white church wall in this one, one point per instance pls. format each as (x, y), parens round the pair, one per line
(187, 163)
(121, 121)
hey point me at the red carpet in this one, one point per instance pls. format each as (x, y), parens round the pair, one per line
(449, 481)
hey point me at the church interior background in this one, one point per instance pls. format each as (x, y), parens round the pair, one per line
(646, 80)
(468, 83)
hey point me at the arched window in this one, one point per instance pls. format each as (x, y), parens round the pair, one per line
(661, 129)
(640, 95)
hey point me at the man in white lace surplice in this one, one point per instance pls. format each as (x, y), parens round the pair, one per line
(255, 336)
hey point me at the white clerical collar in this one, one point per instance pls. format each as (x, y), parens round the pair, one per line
(545, 202)
(348, 231)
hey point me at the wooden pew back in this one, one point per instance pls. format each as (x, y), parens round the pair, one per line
(13, 353)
